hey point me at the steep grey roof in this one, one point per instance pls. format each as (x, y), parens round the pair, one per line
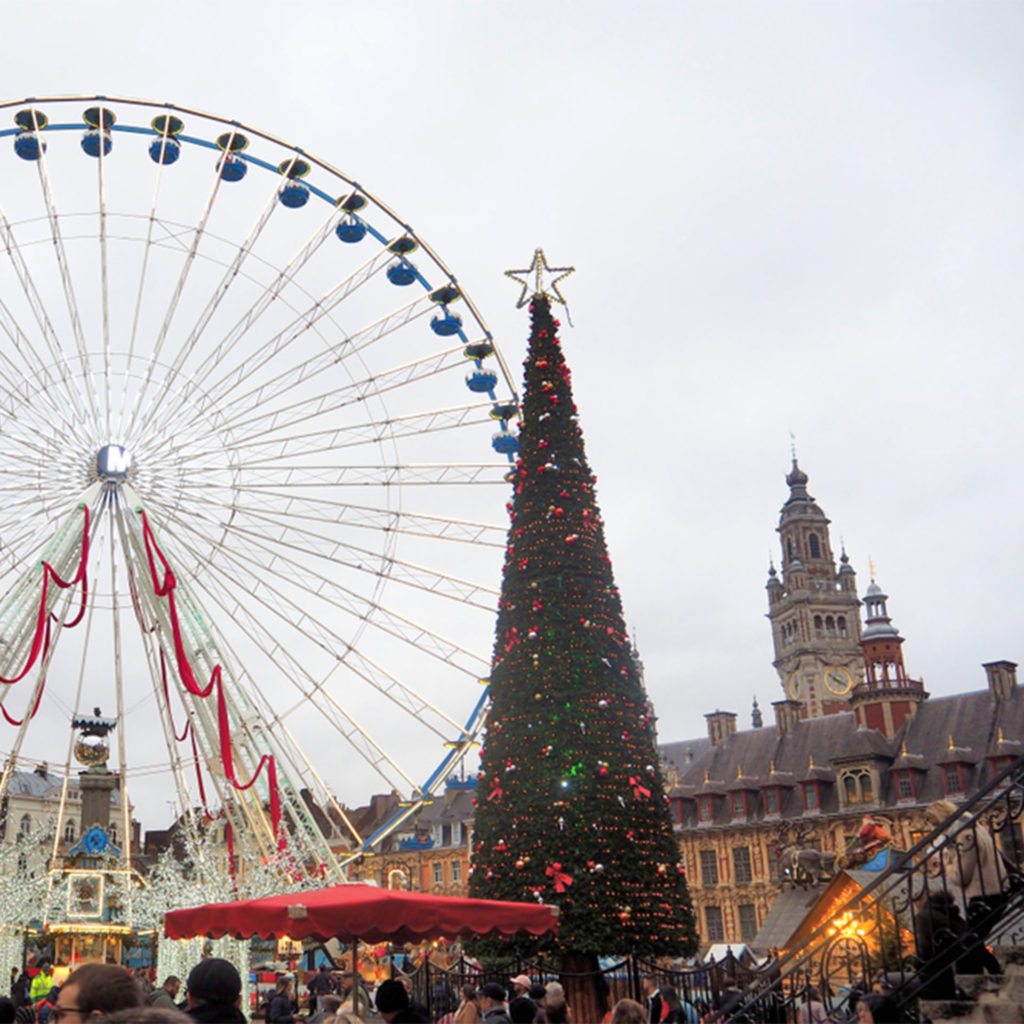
(816, 745)
(33, 784)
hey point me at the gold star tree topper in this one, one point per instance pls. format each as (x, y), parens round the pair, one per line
(539, 279)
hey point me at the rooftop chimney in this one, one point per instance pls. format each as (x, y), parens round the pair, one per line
(787, 714)
(1002, 678)
(721, 725)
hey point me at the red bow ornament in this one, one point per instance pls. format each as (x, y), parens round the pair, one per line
(558, 876)
(640, 791)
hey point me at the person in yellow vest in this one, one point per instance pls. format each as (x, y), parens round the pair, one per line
(42, 982)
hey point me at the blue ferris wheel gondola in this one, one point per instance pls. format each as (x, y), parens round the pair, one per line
(479, 350)
(27, 143)
(505, 443)
(293, 195)
(481, 381)
(401, 273)
(164, 151)
(351, 230)
(29, 146)
(450, 323)
(232, 168)
(96, 140)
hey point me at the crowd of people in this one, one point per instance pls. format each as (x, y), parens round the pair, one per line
(212, 994)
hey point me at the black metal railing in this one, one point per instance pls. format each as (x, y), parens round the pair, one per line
(926, 918)
(437, 987)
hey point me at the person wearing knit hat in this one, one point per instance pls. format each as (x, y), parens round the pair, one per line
(214, 992)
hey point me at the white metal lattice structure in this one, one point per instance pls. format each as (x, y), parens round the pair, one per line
(252, 373)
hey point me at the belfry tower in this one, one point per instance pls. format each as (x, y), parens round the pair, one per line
(814, 609)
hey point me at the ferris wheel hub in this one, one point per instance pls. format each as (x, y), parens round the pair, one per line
(113, 463)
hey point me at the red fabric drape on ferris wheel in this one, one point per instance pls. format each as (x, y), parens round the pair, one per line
(165, 588)
(41, 638)
(364, 912)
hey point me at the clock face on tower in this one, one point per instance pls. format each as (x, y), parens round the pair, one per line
(793, 686)
(838, 680)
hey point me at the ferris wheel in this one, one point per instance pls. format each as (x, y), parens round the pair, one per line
(253, 436)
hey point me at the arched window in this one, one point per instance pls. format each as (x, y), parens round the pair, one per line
(858, 786)
(26, 824)
(789, 550)
(69, 832)
(814, 545)
(817, 626)
(830, 626)
(841, 625)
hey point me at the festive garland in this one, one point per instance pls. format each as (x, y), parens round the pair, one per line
(166, 587)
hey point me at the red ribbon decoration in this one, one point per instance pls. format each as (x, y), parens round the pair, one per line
(561, 879)
(40, 642)
(166, 588)
(41, 639)
(496, 793)
(640, 791)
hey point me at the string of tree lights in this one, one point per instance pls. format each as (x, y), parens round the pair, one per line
(572, 807)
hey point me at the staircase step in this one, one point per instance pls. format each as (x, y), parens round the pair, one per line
(960, 1010)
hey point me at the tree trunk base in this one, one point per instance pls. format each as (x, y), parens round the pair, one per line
(586, 990)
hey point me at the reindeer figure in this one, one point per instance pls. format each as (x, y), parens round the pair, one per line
(800, 864)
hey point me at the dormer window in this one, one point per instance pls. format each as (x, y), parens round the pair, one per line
(738, 803)
(858, 786)
(810, 795)
(771, 800)
(904, 785)
(953, 778)
(705, 808)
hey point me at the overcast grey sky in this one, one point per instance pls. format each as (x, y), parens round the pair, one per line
(785, 217)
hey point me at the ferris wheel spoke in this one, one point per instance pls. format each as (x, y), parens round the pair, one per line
(67, 286)
(301, 323)
(284, 506)
(172, 304)
(51, 338)
(18, 388)
(140, 290)
(338, 397)
(104, 287)
(223, 349)
(419, 474)
(347, 555)
(256, 451)
(230, 275)
(229, 394)
(348, 602)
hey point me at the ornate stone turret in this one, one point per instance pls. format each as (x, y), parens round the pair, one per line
(813, 608)
(887, 697)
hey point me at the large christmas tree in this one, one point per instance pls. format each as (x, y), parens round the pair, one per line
(571, 807)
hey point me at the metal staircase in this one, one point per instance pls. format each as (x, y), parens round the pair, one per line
(909, 930)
